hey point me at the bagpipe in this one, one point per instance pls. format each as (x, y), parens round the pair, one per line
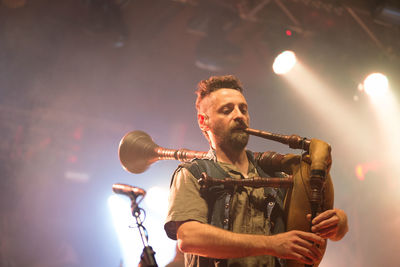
(310, 188)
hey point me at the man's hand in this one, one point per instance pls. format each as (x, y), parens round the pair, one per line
(330, 224)
(298, 245)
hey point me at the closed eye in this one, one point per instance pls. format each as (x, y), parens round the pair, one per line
(226, 109)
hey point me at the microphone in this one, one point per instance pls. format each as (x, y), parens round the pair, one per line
(128, 190)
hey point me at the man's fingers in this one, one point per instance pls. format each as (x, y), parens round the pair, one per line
(311, 249)
(313, 238)
(306, 246)
(300, 246)
(306, 253)
(325, 230)
(308, 250)
(328, 235)
(302, 259)
(323, 216)
(328, 232)
(333, 221)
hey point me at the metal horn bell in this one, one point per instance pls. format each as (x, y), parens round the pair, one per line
(137, 151)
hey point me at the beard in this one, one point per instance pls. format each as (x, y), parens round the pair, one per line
(231, 139)
(238, 140)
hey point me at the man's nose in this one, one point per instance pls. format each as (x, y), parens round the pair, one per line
(239, 116)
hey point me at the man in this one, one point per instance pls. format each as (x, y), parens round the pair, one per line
(236, 226)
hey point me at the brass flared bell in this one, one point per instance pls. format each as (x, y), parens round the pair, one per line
(137, 151)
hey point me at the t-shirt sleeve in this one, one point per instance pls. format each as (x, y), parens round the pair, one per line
(185, 202)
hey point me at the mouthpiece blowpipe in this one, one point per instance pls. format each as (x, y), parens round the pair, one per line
(294, 141)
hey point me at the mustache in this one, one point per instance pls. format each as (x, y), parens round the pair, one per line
(240, 125)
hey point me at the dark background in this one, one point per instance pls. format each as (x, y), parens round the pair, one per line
(75, 76)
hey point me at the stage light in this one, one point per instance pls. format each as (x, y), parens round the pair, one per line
(362, 169)
(122, 218)
(284, 62)
(376, 85)
(155, 205)
(157, 200)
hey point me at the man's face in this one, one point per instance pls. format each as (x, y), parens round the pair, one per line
(226, 116)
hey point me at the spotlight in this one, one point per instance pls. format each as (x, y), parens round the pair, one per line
(376, 85)
(121, 215)
(157, 200)
(363, 168)
(284, 62)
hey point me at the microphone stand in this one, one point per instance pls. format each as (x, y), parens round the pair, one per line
(147, 258)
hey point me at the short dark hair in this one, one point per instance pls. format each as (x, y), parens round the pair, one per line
(214, 83)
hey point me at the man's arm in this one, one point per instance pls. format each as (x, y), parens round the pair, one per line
(209, 241)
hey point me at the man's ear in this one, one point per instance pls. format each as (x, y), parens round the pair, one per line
(202, 120)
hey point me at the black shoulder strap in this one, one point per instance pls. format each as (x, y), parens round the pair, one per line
(198, 166)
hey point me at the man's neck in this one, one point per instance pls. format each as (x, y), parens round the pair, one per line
(237, 158)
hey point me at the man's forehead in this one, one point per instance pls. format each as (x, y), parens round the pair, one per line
(227, 92)
(221, 96)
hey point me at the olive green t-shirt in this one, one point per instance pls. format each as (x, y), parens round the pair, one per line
(247, 211)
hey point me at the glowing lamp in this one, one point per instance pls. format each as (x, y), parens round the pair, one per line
(376, 85)
(284, 62)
